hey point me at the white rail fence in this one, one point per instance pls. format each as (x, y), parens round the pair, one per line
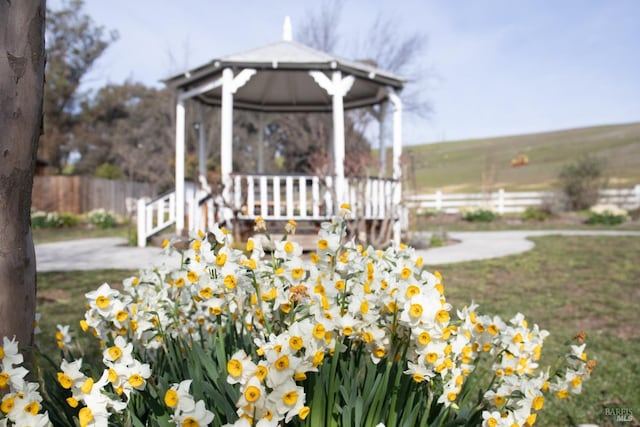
(511, 202)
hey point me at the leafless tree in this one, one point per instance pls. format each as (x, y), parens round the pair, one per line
(319, 28)
(21, 92)
(401, 54)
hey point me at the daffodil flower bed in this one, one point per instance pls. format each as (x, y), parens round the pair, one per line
(344, 336)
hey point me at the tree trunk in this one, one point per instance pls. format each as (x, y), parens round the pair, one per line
(21, 92)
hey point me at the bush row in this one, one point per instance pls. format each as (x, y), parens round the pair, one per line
(99, 218)
(598, 214)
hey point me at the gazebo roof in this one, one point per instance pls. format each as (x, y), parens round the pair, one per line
(283, 83)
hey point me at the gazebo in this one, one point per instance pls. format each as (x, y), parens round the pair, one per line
(285, 76)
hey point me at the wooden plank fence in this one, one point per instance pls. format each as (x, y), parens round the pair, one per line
(510, 202)
(82, 194)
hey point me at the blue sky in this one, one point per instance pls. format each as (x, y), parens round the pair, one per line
(499, 67)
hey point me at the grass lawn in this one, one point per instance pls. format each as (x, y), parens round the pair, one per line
(47, 235)
(565, 284)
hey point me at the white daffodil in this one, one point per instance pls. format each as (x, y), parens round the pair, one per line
(266, 422)
(95, 413)
(126, 377)
(70, 375)
(240, 367)
(23, 406)
(491, 419)
(179, 398)
(9, 354)
(36, 324)
(419, 372)
(199, 416)
(221, 235)
(240, 422)
(281, 366)
(63, 337)
(252, 395)
(187, 412)
(101, 299)
(286, 249)
(120, 352)
(421, 310)
(287, 399)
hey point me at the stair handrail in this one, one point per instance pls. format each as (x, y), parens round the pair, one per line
(150, 224)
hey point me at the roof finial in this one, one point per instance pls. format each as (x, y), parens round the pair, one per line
(287, 33)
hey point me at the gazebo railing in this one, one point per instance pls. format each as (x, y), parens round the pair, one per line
(308, 197)
(282, 197)
(371, 198)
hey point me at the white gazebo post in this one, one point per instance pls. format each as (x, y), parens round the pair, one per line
(180, 133)
(180, 148)
(382, 138)
(397, 168)
(226, 132)
(337, 88)
(202, 152)
(338, 136)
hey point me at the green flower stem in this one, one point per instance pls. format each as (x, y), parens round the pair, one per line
(333, 386)
(394, 397)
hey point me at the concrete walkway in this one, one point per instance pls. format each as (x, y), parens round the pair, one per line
(99, 253)
(480, 245)
(113, 253)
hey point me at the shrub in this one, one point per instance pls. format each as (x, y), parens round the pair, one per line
(428, 212)
(582, 181)
(68, 220)
(607, 214)
(102, 218)
(41, 219)
(109, 171)
(536, 214)
(477, 214)
(438, 238)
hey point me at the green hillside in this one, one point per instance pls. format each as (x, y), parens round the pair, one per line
(474, 165)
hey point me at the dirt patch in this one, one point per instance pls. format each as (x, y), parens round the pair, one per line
(603, 325)
(50, 296)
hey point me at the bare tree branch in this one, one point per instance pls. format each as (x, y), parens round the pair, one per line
(319, 29)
